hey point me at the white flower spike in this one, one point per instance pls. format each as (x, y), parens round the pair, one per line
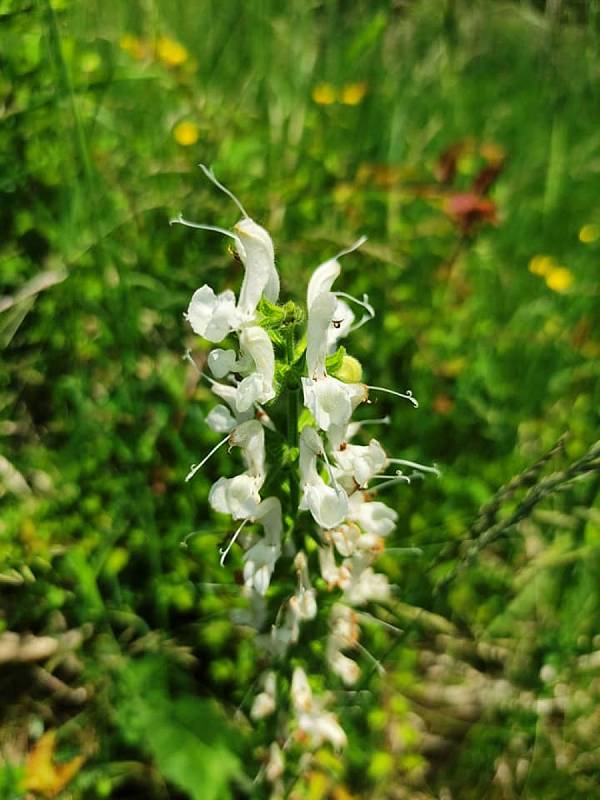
(326, 465)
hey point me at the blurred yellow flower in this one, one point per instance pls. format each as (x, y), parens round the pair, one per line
(343, 192)
(589, 234)
(186, 133)
(324, 94)
(559, 279)
(541, 265)
(353, 93)
(132, 45)
(170, 52)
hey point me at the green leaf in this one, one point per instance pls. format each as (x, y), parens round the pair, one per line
(187, 736)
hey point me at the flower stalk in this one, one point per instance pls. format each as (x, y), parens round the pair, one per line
(337, 528)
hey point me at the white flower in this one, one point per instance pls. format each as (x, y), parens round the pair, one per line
(365, 585)
(265, 703)
(330, 401)
(276, 763)
(373, 516)
(258, 256)
(330, 572)
(221, 418)
(344, 635)
(212, 316)
(303, 603)
(257, 387)
(238, 496)
(249, 436)
(215, 316)
(313, 722)
(259, 563)
(343, 666)
(327, 504)
(345, 538)
(221, 362)
(260, 559)
(301, 693)
(359, 461)
(341, 324)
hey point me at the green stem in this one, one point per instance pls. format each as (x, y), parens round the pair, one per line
(292, 426)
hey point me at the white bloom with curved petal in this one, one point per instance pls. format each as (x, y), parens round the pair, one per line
(249, 436)
(260, 559)
(366, 585)
(238, 496)
(221, 362)
(258, 256)
(220, 419)
(361, 462)
(342, 321)
(315, 723)
(327, 504)
(257, 387)
(212, 316)
(373, 516)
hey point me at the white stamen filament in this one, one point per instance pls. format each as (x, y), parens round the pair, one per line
(364, 303)
(414, 464)
(387, 484)
(180, 220)
(372, 618)
(395, 476)
(212, 177)
(187, 356)
(377, 421)
(408, 396)
(225, 552)
(372, 658)
(184, 542)
(358, 243)
(195, 467)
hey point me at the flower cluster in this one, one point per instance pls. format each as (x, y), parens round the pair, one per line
(331, 550)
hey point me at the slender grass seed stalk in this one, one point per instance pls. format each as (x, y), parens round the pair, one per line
(312, 527)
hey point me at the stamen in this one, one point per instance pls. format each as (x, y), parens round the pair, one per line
(387, 484)
(407, 396)
(372, 658)
(187, 356)
(372, 618)
(180, 220)
(184, 542)
(195, 467)
(395, 476)
(358, 243)
(377, 421)
(415, 465)
(364, 303)
(211, 177)
(225, 552)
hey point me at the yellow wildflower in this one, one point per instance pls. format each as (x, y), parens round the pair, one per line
(559, 279)
(324, 94)
(541, 265)
(170, 52)
(353, 93)
(186, 133)
(132, 45)
(589, 234)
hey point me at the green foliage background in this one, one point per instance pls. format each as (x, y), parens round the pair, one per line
(491, 689)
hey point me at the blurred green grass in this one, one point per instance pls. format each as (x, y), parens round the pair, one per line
(328, 120)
